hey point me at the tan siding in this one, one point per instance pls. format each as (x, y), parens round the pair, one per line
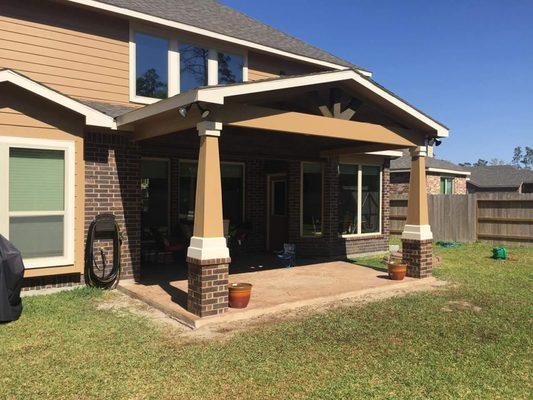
(77, 52)
(24, 115)
(262, 66)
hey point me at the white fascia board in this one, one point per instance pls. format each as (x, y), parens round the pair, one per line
(325, 77)
(165, 105)
(204, 32)
(386, 153)
(92, 117)
(438, 170)
(448, 171)
(218, 94)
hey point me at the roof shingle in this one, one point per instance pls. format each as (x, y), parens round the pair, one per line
(216, 17)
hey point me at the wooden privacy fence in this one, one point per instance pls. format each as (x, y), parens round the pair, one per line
(496, 217)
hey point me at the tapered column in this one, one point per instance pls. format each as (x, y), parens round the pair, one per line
(208, 255)
(417, 239)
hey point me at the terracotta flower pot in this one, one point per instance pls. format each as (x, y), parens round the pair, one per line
(239, 294)
(397, 270)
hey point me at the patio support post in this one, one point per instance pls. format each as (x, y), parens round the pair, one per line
(417, 239)
(208, 255)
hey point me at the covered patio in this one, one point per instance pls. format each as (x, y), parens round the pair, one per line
(276, 290)
(315, 153)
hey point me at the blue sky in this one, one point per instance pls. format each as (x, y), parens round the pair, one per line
(469, 64)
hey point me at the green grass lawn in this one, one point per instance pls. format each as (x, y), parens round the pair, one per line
(471, 339)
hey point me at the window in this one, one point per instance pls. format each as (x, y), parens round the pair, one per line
(279, 198)
(193, 67)
(151, 66)
(359, 199)
(371, 200)
(348, 205)
(155, 194)
(36, 210)
(311, 216)
(232, 190)
(161, 65)
(446, 185)
(230, 68)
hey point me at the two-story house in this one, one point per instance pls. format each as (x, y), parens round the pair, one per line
(187, 115)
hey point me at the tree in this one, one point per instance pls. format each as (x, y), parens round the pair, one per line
(527, 159)
(523, 158)
(481, 163)
(517, 156)
(497, 161)
(149, 85)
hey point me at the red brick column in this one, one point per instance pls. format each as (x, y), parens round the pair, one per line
(418, 254)
(208, 286)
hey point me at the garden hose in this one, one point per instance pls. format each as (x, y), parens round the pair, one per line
(100, 274)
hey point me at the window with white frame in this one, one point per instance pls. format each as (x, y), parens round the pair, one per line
(151, 66)
(360, 193)
(163, 66)
(36, 210)
(446, 185)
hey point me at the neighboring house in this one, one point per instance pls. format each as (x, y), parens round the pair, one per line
(175, 115)
(500, 178)
(443, 177)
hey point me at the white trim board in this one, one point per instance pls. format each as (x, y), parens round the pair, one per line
(204, 32)
(218, 94)
(92, 117)
(438, 170)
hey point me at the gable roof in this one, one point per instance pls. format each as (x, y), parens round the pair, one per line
(212, 16)
(404, 164)
(93, 117)
(217, 94)
(499, 176)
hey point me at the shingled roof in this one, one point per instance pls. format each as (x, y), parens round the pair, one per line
(404, 163)
(499, 176)
(216, 17)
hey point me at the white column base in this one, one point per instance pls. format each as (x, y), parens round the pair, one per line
(208, 248)
(417, 232)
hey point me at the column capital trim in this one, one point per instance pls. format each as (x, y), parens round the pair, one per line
(417, 232)
(208, 248)
(209, 128)
(419, 151)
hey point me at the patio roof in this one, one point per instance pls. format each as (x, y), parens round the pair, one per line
(240, 92)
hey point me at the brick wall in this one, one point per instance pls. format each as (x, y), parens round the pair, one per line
(330, 244)
(400, 183)
(112, 185)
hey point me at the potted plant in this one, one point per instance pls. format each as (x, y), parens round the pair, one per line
(239, 294)
(397, 269)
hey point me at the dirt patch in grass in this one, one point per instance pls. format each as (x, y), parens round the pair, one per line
(120, 303)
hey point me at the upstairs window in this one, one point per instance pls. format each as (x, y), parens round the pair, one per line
(230, 68)
(193, 66)
(151, 66)
(163, 66)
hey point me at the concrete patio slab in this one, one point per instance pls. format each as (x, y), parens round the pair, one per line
(278, 290)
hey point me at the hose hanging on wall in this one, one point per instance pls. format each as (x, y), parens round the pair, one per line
(97, 271)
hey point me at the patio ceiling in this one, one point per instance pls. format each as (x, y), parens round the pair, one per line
(263, 105)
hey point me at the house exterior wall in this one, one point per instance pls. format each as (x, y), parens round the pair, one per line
(400, 183)
(25, 116)
(85, 54)
(77, 52)
(112, 185)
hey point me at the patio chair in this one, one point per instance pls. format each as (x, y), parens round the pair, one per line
(287, 255)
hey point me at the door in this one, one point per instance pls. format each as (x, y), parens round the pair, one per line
(277, 212)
